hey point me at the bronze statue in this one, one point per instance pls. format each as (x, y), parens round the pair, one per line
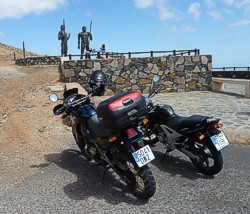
(62, 35)
(84, 36)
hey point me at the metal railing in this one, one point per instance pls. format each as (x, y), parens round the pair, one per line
(244, 68)
(130, 54)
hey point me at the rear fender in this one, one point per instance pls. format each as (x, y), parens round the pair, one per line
(133, 144)
(207, 124)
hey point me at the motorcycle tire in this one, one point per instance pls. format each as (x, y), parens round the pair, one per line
(140, 180)
(80, 143)
(211, 160)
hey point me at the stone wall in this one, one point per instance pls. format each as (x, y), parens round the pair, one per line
(176, 73)
(45, 60)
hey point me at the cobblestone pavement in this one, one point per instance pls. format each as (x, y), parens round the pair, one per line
(233, 110)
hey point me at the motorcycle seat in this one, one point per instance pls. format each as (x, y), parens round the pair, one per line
(177, 122)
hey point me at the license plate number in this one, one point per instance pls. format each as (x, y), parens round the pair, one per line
(220, 141)
(143, 156)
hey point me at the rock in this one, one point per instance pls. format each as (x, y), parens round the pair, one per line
(55, 88)
(196, 69)
(81, 90)
(120, 80)
(179, 61)
(204, 60)
(97, 66)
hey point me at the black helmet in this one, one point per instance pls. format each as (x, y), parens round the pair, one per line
(98, 81)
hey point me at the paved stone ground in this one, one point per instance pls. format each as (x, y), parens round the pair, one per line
(234, 110)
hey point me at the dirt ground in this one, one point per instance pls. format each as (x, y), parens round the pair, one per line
(28, 129)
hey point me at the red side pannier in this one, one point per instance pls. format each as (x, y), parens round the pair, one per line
(121, 110)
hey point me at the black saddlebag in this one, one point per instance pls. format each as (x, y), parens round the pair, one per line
(121, 110)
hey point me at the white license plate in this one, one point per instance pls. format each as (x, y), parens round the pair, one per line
(220, 141)
(143, 156)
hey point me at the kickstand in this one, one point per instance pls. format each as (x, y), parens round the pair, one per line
(165, 154)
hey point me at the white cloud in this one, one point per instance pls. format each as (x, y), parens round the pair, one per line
(164, 10)
(19, 8)
(194, 10)
(209, 3)
(245, 4)
(228, 2)
(216, 15)
(142, 4)
(229, 11)
(183, 29)
(240, 23)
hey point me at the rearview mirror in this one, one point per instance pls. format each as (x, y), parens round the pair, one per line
(53, 97)
(156, 78)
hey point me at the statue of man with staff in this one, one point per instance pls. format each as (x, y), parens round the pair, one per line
(85, 37)
(62, 35)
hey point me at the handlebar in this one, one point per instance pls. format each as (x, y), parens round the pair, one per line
(80, 101)
(65, 107)
(155, 92)
(150, 96)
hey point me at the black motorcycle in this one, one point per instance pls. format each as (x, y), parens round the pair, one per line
(199, 137)
(109, 135)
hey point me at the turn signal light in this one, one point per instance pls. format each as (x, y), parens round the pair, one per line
(145, 121)
(201, 137)
(63, 116)
(220, 125)
(112, 139)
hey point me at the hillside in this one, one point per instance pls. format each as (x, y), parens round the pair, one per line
(26, 119)
(7, 54)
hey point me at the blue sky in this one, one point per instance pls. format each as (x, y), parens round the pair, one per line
(217, 27)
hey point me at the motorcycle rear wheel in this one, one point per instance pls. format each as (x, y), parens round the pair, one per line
(140, 180)
(211, 160)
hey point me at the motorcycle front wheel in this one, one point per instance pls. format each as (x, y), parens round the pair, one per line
(211, 160)
(80, 143)
(140, 180)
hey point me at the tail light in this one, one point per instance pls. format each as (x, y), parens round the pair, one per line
(63, 116)
(131, 132)
(215, 125)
